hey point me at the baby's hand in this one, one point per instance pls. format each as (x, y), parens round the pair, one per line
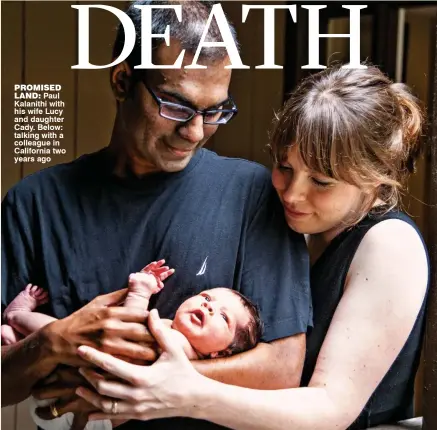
(160, 272)
(150, 278)
(143, 284)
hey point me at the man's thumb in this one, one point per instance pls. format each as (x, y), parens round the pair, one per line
(111, 299)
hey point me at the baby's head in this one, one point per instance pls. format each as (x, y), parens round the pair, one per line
(219, 322)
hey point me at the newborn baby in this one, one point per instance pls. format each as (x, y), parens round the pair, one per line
(215, 323)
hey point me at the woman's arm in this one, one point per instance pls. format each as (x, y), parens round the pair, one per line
(384, 293)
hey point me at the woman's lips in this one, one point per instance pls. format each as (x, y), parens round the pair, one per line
(296, 214)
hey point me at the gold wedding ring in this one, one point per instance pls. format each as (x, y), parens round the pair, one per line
(54, 411)
(114, 407)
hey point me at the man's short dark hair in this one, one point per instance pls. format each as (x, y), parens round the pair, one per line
(188, 31)
(248, 336)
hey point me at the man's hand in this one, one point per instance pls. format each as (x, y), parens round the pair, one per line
(62, 385)
(103, 325)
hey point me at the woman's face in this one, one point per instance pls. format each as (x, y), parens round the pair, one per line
(314, 203)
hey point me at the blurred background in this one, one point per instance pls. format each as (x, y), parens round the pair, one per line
(39, 45)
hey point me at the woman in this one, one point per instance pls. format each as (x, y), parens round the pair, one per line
(343, 145)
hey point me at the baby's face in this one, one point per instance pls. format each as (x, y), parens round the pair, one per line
(209, 320)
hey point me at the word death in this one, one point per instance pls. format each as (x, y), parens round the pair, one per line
(227, 41)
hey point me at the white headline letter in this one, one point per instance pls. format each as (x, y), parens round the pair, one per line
(269, 31)
(83, 31)
(228, 41)
(313, 37)
(147, 35)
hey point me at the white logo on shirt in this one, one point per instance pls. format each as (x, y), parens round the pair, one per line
(203, 268)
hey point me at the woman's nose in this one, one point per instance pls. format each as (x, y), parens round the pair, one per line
(295, 192)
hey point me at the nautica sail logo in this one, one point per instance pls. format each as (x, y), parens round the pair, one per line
(203, 268)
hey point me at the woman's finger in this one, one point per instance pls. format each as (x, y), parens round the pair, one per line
(104, 403)
(109, 363)
(107, 387)
(146, 414)
(161, 333)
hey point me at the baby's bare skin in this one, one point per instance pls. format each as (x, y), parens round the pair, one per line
(142, 285)
(17, 315)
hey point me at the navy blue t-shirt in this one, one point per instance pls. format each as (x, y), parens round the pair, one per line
(78, 231)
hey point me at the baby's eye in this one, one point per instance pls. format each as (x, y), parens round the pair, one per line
(225, 317)
(207, 298)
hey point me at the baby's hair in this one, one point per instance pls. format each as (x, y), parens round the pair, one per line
(248, 336)
(356, 126)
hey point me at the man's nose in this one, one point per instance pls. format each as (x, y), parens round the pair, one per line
(192, 131)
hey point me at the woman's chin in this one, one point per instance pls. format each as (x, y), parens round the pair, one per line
(307, 228)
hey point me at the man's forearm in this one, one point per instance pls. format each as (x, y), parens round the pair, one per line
(267, 367)
(23, 364)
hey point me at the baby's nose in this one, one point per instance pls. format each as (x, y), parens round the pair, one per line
(208, 306)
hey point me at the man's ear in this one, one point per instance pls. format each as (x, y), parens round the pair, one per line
(121, 80)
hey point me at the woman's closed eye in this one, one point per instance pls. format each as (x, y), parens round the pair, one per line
(322, 184)
(285, 168)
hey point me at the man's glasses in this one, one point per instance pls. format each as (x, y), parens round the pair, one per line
(183, 113)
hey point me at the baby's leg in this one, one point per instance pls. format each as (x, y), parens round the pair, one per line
(20, 316)
(28, 322)
(9, 336)
(28, 300)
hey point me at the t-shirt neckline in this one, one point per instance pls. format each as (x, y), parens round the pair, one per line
(152, 181)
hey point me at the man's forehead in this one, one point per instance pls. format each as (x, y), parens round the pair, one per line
(202, 87)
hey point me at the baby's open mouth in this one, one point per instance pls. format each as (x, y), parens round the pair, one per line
(198, 317)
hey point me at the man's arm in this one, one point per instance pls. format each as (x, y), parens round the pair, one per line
(269, 366)
(23, 364)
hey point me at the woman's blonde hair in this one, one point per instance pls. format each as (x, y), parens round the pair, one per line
(356, 126)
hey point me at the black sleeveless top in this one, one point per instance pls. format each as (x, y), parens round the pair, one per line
(393, 398)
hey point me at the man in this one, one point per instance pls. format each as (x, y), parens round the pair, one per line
(81, 228)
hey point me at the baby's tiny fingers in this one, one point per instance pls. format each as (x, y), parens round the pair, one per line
(166, 274)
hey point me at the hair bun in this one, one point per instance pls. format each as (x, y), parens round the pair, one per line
(412, 123)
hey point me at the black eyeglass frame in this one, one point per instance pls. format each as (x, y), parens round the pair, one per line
(194, 112)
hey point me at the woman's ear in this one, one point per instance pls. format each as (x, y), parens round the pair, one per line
(121, 80)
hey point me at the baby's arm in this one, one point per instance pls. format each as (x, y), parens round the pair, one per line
(143, 284)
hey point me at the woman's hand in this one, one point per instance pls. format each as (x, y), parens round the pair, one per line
(167, 388)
